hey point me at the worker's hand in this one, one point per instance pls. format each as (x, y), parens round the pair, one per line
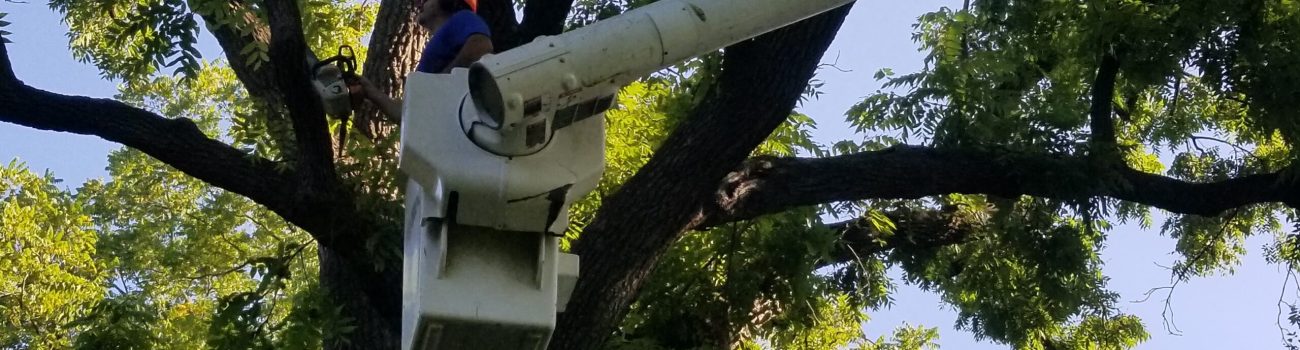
(364, 87)
(357, 82)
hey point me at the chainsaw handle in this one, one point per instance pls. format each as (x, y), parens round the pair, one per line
(346, 60)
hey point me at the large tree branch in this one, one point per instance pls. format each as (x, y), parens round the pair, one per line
(180, 144)
(769, 185)
(348, 229)
(1103, 92)
(289, 55)
(176, 142)
(500, 17)
(760, 82)
(240, 30)
(330, 217)
(7, 77)
(258, 81)
(542, 17)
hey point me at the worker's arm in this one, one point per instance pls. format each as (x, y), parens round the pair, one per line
(387, 105)
(476, 46)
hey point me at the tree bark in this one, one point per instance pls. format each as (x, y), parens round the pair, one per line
(1100, 110)
(541, 17)
(288, 48)
(394, 50)
(257, 81)
(378, 321)
(500, 17)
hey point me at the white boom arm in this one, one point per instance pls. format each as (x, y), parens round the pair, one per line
(524, 86)
(498, 152)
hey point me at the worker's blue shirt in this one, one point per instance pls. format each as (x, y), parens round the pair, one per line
(449, 39)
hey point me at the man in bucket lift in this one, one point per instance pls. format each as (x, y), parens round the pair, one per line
(460, 38)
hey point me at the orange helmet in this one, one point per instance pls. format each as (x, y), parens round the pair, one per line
(473, 5)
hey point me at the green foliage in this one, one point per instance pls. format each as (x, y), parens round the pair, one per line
(170, 262)
(123, 322)
(748, 283)
(837, 326)
(1101, 333)
(633, 131)
(196, 254)
(1200, 83)
(329, 24)
(3, 32)
(1028, 273)
(587, 11)
(152, 258)
(132, 39)
(48, 265)
(757, 277)
(1217, 244)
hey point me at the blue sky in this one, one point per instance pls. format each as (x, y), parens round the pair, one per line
(1224, 312)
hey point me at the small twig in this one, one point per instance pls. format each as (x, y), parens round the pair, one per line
(301, 247)
(732, 247)
(222, 272)
(1147, 295)
(1295, 280)
(1180, 274)
(1178, 89)
(1197, 146)
(835, 65)
(1278, 320)
(1239, 148)
(119, 282)
(1167, 313)
(1206, 248)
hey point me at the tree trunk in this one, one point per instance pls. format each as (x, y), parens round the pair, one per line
(378, 326)
(760, 83)
(395, 45)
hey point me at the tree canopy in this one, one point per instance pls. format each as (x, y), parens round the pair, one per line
(992, 176)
